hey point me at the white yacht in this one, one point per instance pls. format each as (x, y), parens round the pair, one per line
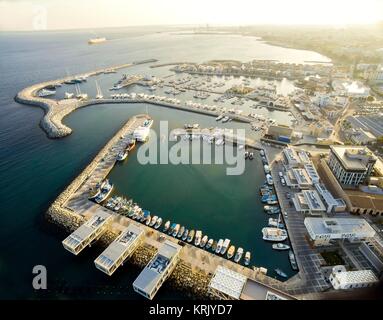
(166, 226)
(204, 241)
(122, 155)
(153, 221)
(274, 234)
(230, 252)
(247, 258)
(69, 95)
(46, 93)
(158, 223)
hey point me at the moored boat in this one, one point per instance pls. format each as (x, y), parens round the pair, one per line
(191, 236)
(158, 223)
(204, 241)
(293, 261)
(238, 255)
(153, 221)
(166, 226)
(225, 246)
(280, 246)
(230, 252)
(214, 246)
(185, 235)
(280, 273)
(274, 234)
(181, 232)
(122, 155)
(209, 244)
(198, 236)
(176, 229)
(219, 246)
(247, 258)
(171, 229)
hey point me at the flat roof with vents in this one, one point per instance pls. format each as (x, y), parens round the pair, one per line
(228, 282)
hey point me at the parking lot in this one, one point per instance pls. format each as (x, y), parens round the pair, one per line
(310, 278)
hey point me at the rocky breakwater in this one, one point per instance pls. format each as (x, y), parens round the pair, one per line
(55, 110)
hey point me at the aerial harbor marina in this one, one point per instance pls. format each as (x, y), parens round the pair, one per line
(157, 163)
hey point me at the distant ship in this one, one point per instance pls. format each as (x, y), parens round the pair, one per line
(96, 40)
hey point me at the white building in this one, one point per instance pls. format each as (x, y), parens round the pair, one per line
(362, 137)
(90, 231)
(323, 230)
(227, 284)
(351, 165)
(295, 159)
(342, 279)
(298, 178)
(158, 270)
(120, 249)
(333, 205)
(309, 202)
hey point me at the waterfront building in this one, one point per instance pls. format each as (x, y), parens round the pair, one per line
(312, 172)
(157, 270)
(341, 279)
(298, 178)
(333, 205)
(88, 232)
(120, 249)
(351, 165)
(295, 159)
(309, 202)
(324, 230)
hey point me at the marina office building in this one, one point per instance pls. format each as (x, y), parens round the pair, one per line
(88, 232)
(323, 230)
(351, 165)
(158, 270)
(120, 249)
(309, 202)
(295, 159)
(342, 279)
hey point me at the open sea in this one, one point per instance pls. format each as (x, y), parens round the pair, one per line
(35, 169)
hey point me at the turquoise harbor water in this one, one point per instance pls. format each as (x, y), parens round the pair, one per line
(34, 169)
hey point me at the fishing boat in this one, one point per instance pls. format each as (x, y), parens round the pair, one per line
(145, 216)
(68, 95)
(280, 273)
(219, 246)
(190, 236)
(204, 241)
(272, 209)
(158, 223)
(269, 179)
(247, 258)
(185, 235)
(238, 255)
(153, 221)
(262, 152)
(276, 223)
(251, 155)
(230, 252)
(219, 117)
(122, 155)
(171, 229)
(166, 226)
(209, 244)
(181, 232)
(214, 246)
(293, 261)
(198, 236)
(274, 234)
(280, 246)
(105, 192)
(225, 246)
(266, 168)
(176, 229)
(131, 145)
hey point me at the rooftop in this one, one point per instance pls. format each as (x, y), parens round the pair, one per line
(228, 282)
(340, 226)
(152, 273)
(353, 157)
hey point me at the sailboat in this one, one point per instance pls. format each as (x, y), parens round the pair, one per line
(79, 95)
(99, 92)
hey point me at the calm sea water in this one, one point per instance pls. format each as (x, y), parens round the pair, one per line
(34, 169)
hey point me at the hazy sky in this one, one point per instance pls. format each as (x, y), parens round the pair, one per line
(74, 14)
